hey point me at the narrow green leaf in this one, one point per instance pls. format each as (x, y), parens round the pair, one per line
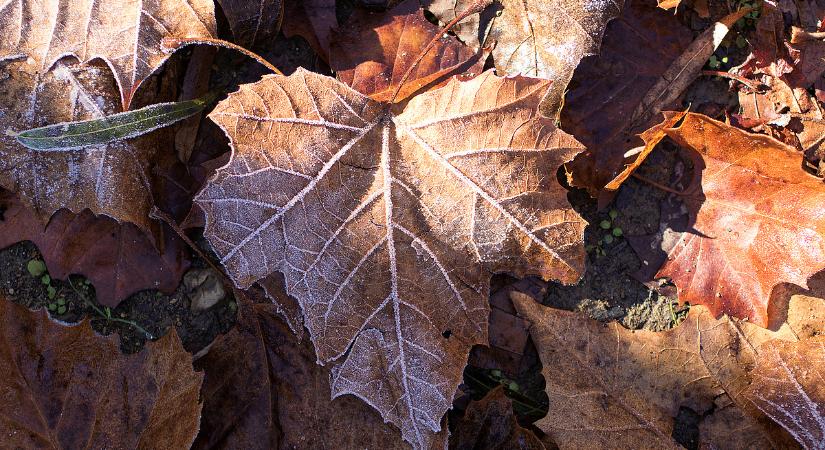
(117, 127)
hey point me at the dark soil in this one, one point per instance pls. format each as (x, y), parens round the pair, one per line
(145, 312)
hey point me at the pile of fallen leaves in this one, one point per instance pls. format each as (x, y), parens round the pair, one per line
(358, 207)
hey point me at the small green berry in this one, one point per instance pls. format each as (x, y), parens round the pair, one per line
(52, 292)
(46, 279)
(61, 301)
(605, 224)
(617, 232)
(51, 306)
(608, 239)
(513, 386)
(61, 310)
(725, 60)
(36, 267)
(613, 214)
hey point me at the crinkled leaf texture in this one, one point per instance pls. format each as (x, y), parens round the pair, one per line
(789, 386)
(64, 387)
(42, 82)
(387, 220)
(757, 220)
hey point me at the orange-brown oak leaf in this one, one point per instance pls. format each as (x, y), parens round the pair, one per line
(789, 386)
(64, 387)
(757, 220)
(373, 51)
(610, 387)
(387, 221)
(118, 258)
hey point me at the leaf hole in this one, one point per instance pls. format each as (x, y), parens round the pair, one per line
(447, 333)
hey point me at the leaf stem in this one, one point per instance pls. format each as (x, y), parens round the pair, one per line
(656, 184)
(171, 44)
(109, 317)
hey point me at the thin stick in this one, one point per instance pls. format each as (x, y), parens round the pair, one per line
(657, 185)
(476, 7)
(749, 83)
(109, 317)
(175, 43)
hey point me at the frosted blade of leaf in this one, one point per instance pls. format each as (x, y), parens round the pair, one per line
(117, 127)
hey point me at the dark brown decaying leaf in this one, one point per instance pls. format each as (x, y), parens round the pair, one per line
(253, 22)
(615, 388)
(387, 221)
(373, 51)
(264, 390)
(539, 38)
(119, 259)
(756, 219)
(313, 20)
(789, 386)
(491, 424)
(68, 388)
(638, 48)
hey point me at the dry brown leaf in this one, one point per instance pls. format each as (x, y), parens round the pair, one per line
(539, 38)
(491, 424)
(373, 51)
(111, 179)
(68, 388)
(263, 390)
(253, 22)
(39, 84)
(756, 220)
(313, 20)
(638, 48)
(615, 388)
(119, 259)
(127, 36)
(387, 220)
(789, 386)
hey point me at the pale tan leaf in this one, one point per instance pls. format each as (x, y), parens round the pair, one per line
(615, 388)
(537, 38)
(789, 386)
(387, 221)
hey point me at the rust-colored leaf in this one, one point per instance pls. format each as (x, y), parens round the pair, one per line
(68, 388)
(373, 51)
(789, 386)
(386, 221)
(119, 259)
(756, 220)
(263, 390)
(539, 38)
(611, 387)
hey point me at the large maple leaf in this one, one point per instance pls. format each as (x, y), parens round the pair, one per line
(757, 220)
(42, 83)
(387, 221)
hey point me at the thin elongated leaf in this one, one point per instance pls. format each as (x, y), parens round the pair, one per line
(105, 130)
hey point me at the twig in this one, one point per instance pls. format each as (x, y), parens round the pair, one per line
(657, 185)
(171, 44)
(109, 317)
(749, 83)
